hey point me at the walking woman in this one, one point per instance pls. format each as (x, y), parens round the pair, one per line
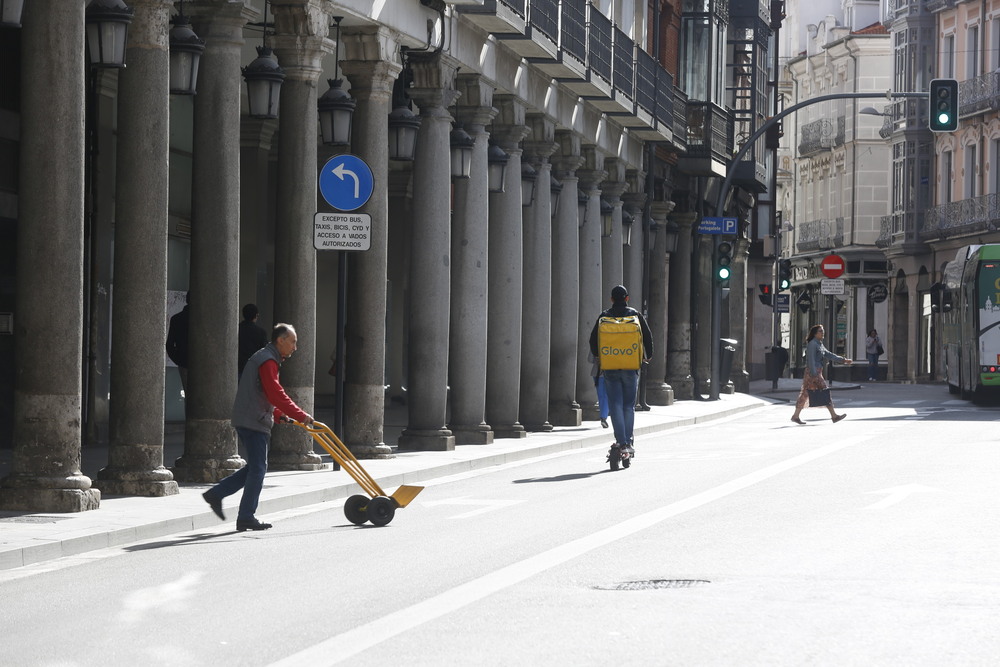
(873, 348)
(812, 378)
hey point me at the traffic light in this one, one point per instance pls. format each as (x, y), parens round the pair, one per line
(943, 112)
(723, 261)
(784, 274)
(765, 295)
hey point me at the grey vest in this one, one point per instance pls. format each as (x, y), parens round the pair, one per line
(251, 408)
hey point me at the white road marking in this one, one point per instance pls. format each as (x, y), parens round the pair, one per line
(483, 505)
(351, 643)
(897, 494)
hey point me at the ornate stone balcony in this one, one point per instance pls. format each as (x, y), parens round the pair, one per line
(967, 216)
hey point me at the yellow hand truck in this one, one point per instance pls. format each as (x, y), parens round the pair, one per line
(377, 507)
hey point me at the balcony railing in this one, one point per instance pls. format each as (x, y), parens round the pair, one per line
(573, 31)
(979, 95)
(599, 44)
(821, 135)
(819, 235)
(544, 17)
(709, 132)
(624, 67)
(968, 216)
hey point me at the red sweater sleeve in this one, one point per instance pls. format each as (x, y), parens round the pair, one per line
(276, 396)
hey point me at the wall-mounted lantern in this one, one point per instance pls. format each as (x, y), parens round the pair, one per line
(607, 220)
(336, 106)
(107, 32)
(528, 178)
(496, 161)
(10, 13)
(185, 55)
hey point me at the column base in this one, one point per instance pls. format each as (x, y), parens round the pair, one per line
(565, 415)
(508, 431)
(683, 387)
(49, 500)
(659, 393)
(285, 461)
(433, 440)
(480, 434)
(379, 451)
(153, 483)
(292, 449)
(197, 470)
(544, 427)
(592, 412)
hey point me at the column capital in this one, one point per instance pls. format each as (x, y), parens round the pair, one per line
(542, 143)
(567, 157)
(593, 173)
(474, 107)
(433, 77)
(659, 210)
(301, 40)
(370, 62)
(634, 201)
(613, 190)
(683, 219)
(210, 12)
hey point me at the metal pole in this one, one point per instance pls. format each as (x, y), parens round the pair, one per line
(341, 362)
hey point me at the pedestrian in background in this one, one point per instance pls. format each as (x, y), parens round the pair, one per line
(602, 394)
(874, 350)
(622, 385)
(260, 400)
(812, 377)
(252, 337)
(177, 341)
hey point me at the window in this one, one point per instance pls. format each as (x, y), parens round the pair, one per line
(972, 52)
(994, 52)
(994, 182)
(945, 178)
(970, 177)
(947, 70)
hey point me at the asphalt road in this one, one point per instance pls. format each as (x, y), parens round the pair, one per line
(750, 541)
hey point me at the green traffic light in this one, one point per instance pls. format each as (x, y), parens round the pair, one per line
(943, 118)
(724, 273)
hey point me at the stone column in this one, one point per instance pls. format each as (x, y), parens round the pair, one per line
(536, 306)
(210, 449)
(470, 273)
(300, 44)
(659, 392)
(739, 378)
(634, 253)
(679, 334)
(45, 474)
(430, 253)
(704, 283)
(592, 300)
(612, 257)
(564, 410)
(400, 230)
(370, 63)
(135, 456)
(503, 337)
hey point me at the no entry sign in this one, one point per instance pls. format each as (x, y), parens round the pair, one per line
(832, 266)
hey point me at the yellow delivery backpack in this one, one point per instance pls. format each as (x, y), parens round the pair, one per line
(619, 342)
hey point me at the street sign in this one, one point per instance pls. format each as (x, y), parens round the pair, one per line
(832, 266)
(342, 231)
(832, 286)
(718, 226)
(346, 182)
(784, 302)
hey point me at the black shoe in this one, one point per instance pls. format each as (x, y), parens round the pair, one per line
(214, 503)
(250, 524)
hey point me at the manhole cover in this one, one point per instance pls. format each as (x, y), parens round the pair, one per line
(653, 584)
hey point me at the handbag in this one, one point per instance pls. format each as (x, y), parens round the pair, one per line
(819, 397)
(879, 350)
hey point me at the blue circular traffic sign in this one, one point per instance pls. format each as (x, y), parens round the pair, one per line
(346, 182)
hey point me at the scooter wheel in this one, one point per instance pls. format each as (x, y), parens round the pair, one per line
(381, 510)
(614, 458)
(626, 461)
(356, 509)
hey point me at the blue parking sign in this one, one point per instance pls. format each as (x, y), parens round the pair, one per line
(346, 182)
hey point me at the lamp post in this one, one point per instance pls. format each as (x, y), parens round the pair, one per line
(461, 152)
(185, 55)
(264, 77)
(107, 31)
(555, 187)
(528, 178)
(496, 160)
(607, 210)
(627, 220)
(403, 123)
(336, 106)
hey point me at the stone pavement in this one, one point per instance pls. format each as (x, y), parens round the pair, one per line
(27, 538)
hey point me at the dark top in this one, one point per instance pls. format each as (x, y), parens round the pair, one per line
(252, 338)
(177, 338)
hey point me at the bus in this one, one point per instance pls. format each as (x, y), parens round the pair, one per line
(968, 300)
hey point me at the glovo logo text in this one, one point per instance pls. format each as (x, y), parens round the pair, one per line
(609, 351)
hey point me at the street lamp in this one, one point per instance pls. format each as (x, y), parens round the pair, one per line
(264, 77)
(607, 221)
(185, 55)
(107, 31)
(582, 202)
(528, 178)
(336, 106)
(555, 187)
(461, 152)
(10, 13)
(670, 233)
(496, 161)
(403, 123)
(627, 220)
